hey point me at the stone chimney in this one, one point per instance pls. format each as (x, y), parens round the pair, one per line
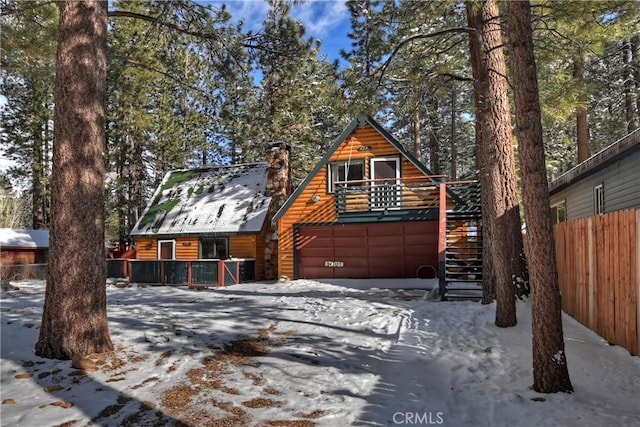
(279, 188)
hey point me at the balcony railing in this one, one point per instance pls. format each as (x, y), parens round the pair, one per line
(385, 194)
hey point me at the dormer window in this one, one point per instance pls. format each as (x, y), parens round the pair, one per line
(345, 172)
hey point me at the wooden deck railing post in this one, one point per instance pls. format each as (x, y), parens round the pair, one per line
(162, 270)
(442, 238)
(189, 273)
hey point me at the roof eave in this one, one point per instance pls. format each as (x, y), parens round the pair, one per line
(611, 154)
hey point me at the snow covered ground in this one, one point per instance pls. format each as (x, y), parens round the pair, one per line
(306, 353)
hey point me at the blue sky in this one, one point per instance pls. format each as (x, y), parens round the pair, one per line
(327, 20)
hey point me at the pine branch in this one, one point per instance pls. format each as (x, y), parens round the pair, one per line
(176, 79)
(411, 39)
(250, 42)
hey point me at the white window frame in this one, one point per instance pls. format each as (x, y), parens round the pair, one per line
(598, 199)
(555, 219)
(394, 201)
(173, 241)
(331, 168)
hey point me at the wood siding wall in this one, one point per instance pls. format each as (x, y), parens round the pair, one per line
(599, 274)
(146, 248)
(240, 246)
(12, 256)
(620, 182)
(304, 211)
(249, 246)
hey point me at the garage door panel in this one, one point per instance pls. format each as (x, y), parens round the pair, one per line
(317, 273)
(314, 242)
(394, 241)
(379, 271)
(353, 262)
(347, 231)
(353, 273)
(372, 250)
(393, 252)
(341, 253)
(350, 242)
(421, 226)
(411, 239)
(385, 229)
(316, 231)
(324, 253)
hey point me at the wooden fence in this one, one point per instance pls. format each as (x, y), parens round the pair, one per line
(599, 274)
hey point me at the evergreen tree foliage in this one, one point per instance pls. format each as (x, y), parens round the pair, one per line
(589, 35)
(28, 67)
(300, 102)
(407, 60)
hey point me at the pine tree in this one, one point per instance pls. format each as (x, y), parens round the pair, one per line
(165, 96)
(28, 60)
(299, 99)
(550, 373)
(496, 162)
(579, 57)
(76, 268)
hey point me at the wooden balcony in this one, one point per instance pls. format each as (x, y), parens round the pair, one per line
(384, 195)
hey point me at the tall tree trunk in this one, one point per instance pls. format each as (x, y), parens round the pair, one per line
(582, 118)
(74, 320)
(498, 168)
(37, 179)
(550, 373)
(454, 139)
(434, 144)
(627, 78)
(121, 179)
(474, 20)
(417, 130)
(635, 63)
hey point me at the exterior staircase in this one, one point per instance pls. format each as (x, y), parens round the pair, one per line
(463, 255)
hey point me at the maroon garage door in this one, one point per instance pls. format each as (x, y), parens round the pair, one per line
(392, 249)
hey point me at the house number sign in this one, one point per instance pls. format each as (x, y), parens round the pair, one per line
(334, 264)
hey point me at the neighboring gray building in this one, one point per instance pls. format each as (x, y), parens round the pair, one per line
(606, 182)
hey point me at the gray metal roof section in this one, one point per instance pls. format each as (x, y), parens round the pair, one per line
(23, 238)
(598, 161)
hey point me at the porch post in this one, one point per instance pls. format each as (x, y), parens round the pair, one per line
(442, 238)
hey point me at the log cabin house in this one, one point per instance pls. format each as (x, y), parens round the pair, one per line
(213, 225)
(370, 209)
(18, 246)
(23, 253)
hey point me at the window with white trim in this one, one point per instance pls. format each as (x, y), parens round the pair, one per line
(214, 248)
(598, 199)
(559, 212)
(344, 172)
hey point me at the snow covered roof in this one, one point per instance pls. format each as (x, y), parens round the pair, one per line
(225, 199)
(15, 238)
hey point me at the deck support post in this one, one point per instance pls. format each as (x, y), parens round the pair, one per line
(442, 239)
